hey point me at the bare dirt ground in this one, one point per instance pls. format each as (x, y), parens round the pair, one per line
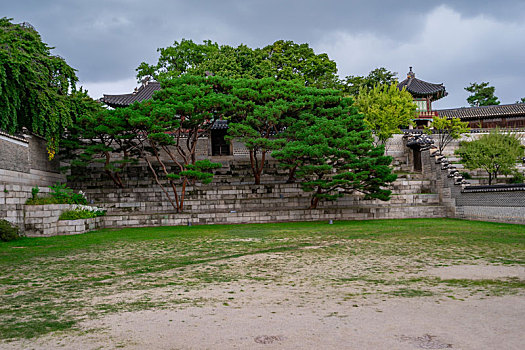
(307, 306)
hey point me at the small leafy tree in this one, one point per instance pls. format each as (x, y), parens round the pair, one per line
(496, 153)
(481, 95)
(386, 110)
(334, 155)
(447, 129)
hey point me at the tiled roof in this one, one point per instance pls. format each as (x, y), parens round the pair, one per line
(485, 112)
(145, 92)
(18, 137)
(420, 88)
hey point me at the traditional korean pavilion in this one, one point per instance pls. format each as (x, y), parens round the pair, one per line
(424, 94)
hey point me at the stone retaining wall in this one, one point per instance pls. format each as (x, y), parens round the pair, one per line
(23, 165)
(42, 221)
(269, 216)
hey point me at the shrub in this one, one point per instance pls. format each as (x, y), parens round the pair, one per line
(466, 175)
(82, 212)
(517, 178)
(8, 231)
(60, 194)
(66, 195)
(34, 192)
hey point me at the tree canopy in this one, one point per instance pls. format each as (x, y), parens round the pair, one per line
(386, 109)
(282, 60)
(481, 95)
(34, 84)
(352, 85)
(332, 154)
(496, 153)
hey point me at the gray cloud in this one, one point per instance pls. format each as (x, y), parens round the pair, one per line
(454, 42)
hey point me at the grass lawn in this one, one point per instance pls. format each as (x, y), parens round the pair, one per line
(50, 284)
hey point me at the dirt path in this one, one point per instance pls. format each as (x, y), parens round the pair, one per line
(258, 315)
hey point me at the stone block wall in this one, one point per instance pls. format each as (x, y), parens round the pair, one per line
(42, 221)
(23, 165)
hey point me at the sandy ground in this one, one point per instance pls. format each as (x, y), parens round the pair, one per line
(262, 316)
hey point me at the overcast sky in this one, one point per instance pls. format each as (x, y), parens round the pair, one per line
(454, 42)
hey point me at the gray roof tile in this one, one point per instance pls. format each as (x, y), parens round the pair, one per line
(145, 92)
(485, 112)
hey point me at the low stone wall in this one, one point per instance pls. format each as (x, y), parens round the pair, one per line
(226, 198)
(42, 221)
(504, 204)
(269, 216)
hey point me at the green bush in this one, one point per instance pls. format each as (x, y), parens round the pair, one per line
(66, 195)
(466, 175)
(76, 214)
(34, 192)
(8, 232)
(517, 178)
(60, 194)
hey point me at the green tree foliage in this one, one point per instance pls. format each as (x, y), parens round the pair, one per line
(34, 84)
(352, 85)
(522, 100)
(496, 153)
(333, 154)
(386, 110)
(481, 95)
(266, 113)
(282, 60)
(446, 130)
(97, 136)
(162, 132)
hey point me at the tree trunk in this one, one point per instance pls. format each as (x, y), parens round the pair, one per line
(315, 200)
(255, 168)
(291, 175)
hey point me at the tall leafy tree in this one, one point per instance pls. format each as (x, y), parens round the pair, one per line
(282, 60)
(386, 110)
(496, 153)
(481, 95)
(353, 84)
(34, 84)
(334, 155)
(446, 130)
